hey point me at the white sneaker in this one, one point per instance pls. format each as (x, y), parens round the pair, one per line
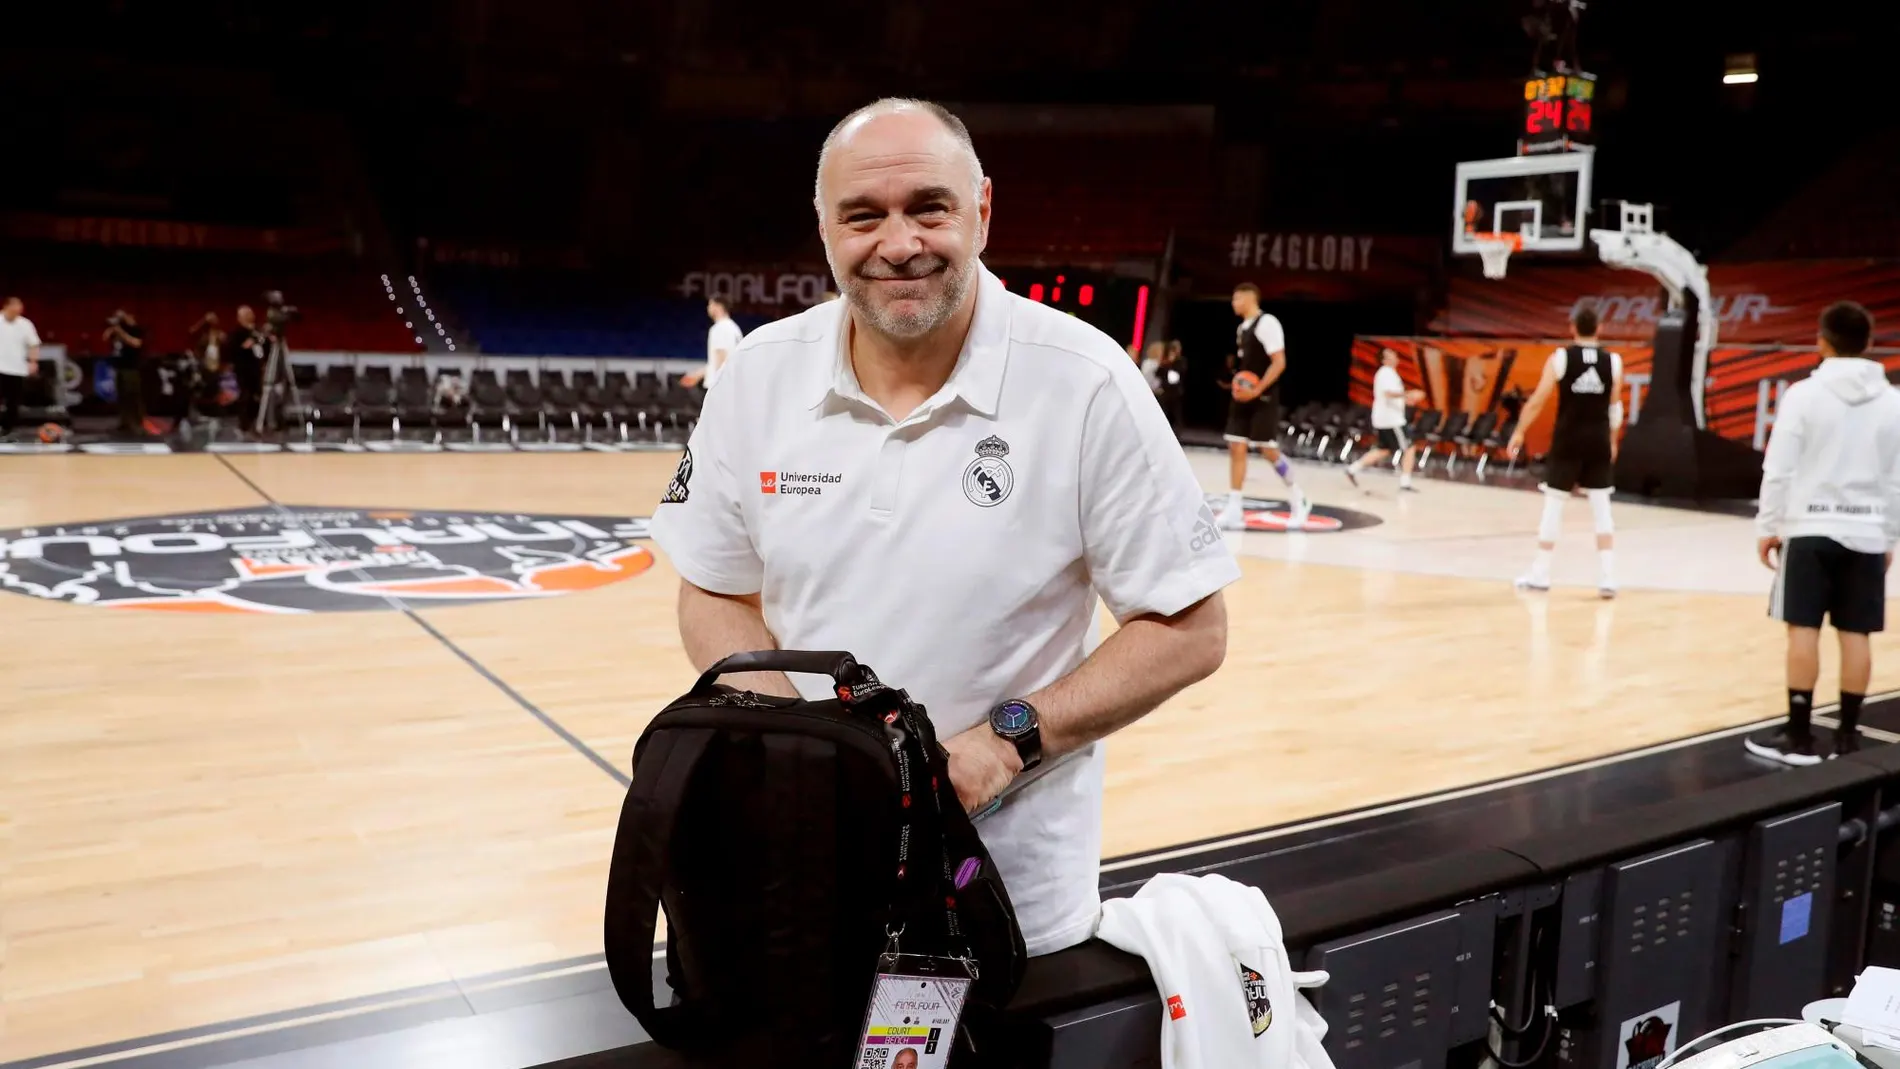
(1531, 582)
(1606, 589)
(1302, 507)
(1231, 519)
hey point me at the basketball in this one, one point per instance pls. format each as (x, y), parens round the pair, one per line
(1245, 385)
(51, 432)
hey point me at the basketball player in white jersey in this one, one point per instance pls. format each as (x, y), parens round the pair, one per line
(721, 340)
(1254, 420)
(1389, 397)
(1588, 384)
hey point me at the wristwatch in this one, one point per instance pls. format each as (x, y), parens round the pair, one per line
(1015, 720)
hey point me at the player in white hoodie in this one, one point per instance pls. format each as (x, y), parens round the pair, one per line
(1827, 522)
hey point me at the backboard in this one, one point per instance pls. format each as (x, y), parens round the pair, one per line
(1542, 198)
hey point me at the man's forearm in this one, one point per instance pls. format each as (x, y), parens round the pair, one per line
(713, 626)
(1529, 413)
(1146, 662)
(1274, 370)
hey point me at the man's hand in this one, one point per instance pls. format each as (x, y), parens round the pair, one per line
(1516, 443)
(32, 367)
(691, 379)
(982, 764)
(1889, 564)
(1770, 548)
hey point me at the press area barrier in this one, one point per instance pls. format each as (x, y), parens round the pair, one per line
(1643, 930)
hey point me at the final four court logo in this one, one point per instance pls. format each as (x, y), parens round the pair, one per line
(1276, 515)
(297, 559)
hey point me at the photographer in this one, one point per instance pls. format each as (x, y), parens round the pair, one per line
(244, 350)
(207, 343)
(127, 342)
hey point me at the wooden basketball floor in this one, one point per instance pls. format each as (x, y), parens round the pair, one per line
(206, 817)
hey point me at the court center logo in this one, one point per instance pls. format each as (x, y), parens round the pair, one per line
(989, 479)
(1267, 514)
(295, 559)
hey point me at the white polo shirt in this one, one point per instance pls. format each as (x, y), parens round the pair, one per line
(16, 338)
(957, 552)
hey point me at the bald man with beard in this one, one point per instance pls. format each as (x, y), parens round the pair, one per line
(942, 478)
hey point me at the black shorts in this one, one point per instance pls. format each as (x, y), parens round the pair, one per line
(1393, 439)
(1567, 469)
(1820, 578)
(1256, 421)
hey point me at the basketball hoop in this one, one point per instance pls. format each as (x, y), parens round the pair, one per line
(1496, 250)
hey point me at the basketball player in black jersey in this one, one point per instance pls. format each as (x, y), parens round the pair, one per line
(1588, 383)
(1254, 420)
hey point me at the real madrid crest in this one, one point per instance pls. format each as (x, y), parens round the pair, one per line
(988, 479)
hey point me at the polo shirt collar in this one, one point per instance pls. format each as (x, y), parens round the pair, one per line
(978, 377)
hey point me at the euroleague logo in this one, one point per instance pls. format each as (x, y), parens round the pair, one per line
(1277, 516)
(295, 559)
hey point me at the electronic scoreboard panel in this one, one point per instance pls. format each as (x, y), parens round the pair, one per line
(1117, 306)
(1559, 113)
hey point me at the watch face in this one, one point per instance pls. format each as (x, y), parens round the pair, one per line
(1012, 717)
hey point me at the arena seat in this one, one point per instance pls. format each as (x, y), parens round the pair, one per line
(600, 405)
(1331, 426)
(415, 401)
(488, 404)
(1353, 430)
(1471, 438)
(641, 397)
(525, 401)
(328, 403)
(1499, 437)
(453, 413)
(375, 400)
(681, 402)
(39, 401)
(1454, 425)
(561, 404)
(1424, 424)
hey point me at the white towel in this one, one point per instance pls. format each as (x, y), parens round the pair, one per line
(1230, 997)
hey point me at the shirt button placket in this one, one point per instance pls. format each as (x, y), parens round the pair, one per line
(889, 473)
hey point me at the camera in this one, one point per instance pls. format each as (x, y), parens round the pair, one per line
(276, 313)
(116, 319)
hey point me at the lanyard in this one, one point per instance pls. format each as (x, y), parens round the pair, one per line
(924, 780)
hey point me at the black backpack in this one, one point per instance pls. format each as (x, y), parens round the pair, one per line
(786, 846)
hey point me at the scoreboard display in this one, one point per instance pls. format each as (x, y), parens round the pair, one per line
(1559, 113)
(1117, 306)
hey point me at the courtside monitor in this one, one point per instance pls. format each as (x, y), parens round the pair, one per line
(1540, 198)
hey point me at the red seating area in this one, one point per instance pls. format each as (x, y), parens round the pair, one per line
(1069, 196)
(68, 297)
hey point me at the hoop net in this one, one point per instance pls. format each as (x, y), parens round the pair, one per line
(1496, 250)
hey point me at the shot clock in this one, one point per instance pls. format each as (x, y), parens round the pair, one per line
(1559, 113)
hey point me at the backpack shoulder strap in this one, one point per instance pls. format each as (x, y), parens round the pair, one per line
(642, 856)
